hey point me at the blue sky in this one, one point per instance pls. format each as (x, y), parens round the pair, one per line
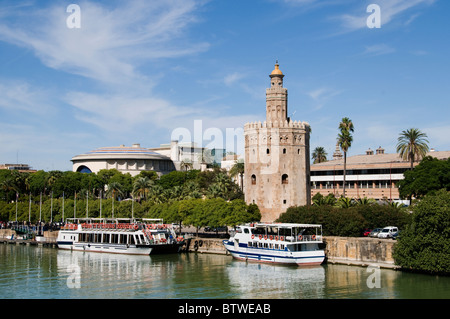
(139, 71)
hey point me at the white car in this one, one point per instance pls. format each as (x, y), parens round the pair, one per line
(387, 232)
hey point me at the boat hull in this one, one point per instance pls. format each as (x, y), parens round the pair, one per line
(107, 248)
(166, 248)
(302, 258)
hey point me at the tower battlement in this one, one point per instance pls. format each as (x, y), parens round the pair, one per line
(277, 124)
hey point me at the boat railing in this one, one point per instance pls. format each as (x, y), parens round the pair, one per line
(307, 238)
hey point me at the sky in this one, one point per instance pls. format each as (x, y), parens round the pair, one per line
(106, 73)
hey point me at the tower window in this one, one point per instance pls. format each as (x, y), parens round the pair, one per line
(284, 151)
(253, 179)
(268, 151)
(284, 179)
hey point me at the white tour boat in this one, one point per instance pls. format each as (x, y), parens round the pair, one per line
(119, 235)
(282, 243)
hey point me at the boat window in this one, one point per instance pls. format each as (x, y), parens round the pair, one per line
(246, 230)
(249, 244)
(259, 231)
(276, 246)
(132, 242)
(271, 246)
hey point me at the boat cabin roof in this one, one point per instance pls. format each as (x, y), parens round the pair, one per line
(114, 220)
(284, 225)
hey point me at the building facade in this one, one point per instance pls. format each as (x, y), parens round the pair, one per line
(125, 159)
(277, 156)
(134, 159)
(373, 175)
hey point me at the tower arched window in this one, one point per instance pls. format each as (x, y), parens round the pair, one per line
(284, 179)
(253, 179)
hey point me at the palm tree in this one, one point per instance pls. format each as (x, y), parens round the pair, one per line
(158, 194)
(114, 189)
(186, 164)
(412, 145)
(345, 202)
(319, 155)
(142, 186)
(366, 201)
(345, 140)
(238, 169)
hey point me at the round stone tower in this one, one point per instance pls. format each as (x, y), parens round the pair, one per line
(277, 166)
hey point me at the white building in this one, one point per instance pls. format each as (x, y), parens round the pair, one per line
(131, 160)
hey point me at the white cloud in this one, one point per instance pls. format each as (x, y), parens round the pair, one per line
(322, 95)
(111, 42)
(378, 49)
(232, 78)
(19, 96)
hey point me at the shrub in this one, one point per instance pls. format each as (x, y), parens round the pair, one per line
(425, 244)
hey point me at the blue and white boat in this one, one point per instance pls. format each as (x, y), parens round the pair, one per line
(282, 243)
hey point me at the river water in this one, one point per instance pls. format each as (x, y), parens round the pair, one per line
(48, 273)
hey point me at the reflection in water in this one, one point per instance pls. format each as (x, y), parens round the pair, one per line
(254, 280)
(36, 272)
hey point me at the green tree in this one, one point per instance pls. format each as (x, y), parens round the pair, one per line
(345, 140)
(425, 244)
(412, 145)
(142, 186)
(319, 155)
(428, 177)
(345, 202)
(238, 170)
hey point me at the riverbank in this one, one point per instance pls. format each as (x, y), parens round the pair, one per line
(352, 251)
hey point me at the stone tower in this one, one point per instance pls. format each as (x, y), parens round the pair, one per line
(277, 166)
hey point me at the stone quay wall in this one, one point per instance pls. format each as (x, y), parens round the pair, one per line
(360, 251)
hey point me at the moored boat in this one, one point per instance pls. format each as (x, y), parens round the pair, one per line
(119, 235)
(282, 243)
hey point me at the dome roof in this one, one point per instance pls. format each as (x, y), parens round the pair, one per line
(122, 149)
(121, 152)
(277, 70)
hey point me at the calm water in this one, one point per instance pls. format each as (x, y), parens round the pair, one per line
(46, 273)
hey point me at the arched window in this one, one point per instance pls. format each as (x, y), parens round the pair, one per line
(284, 151)
(84, 169)
(253, 179)
(284, 179)
(268, 151)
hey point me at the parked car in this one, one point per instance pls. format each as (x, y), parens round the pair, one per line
(396, 235)
(387, 232)
(216, 229)
(367, 232)
(374, 233)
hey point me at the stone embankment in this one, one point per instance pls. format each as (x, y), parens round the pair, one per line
(360, 251)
